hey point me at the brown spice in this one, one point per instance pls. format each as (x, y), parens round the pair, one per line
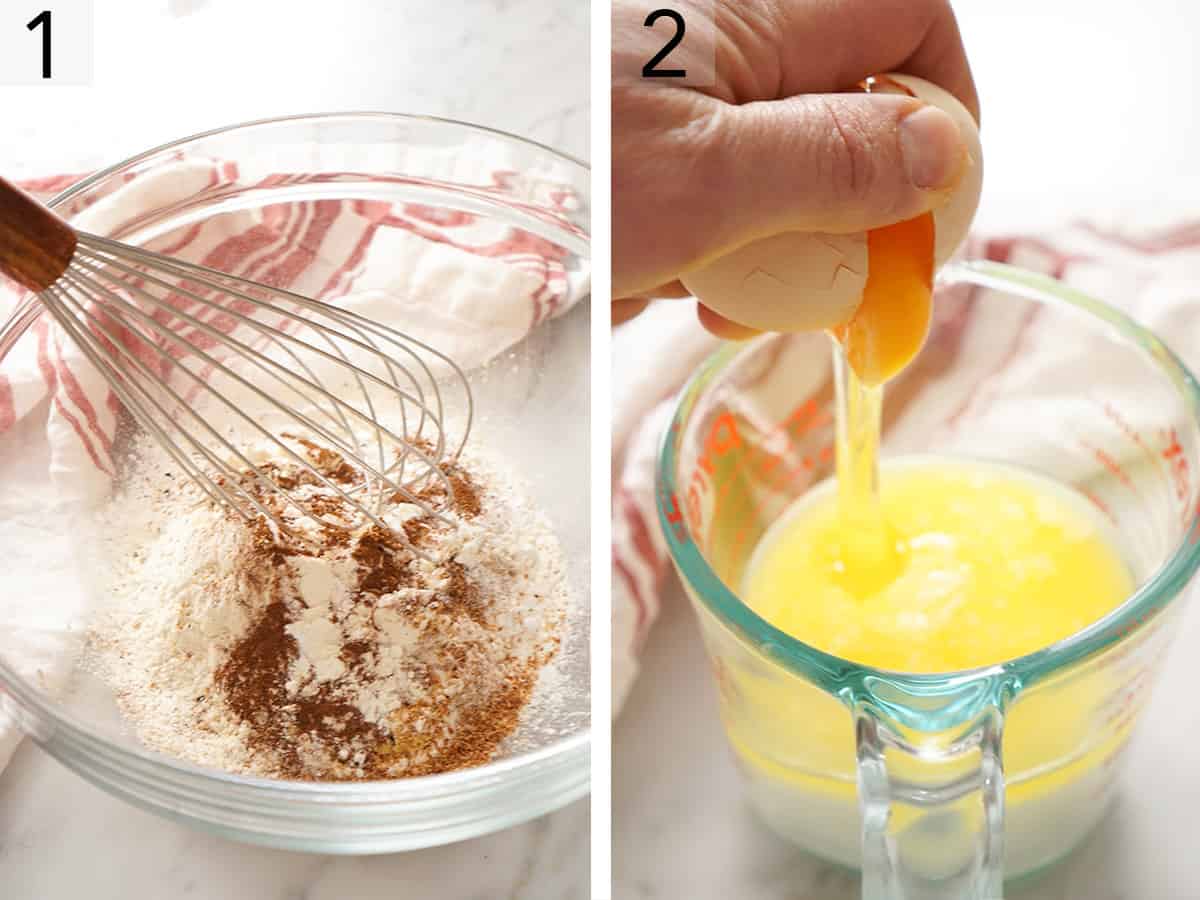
(354, 654)
(319, 506)
(415, 530)
(254, 677)
(289, 481)
(461, 595)
(423, 739)
(380, 572)
(466, 494)
(328, 462)
(481, 728)
(263, 545)
(253, 681)
(332, 536)
(332, 721)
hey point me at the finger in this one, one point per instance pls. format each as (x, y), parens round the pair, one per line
(672, 290)
(722, 327)
(831, 47)
(940, 58)
(836, 162)
(625, 309)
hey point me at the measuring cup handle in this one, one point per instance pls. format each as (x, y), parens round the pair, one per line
(932, 810)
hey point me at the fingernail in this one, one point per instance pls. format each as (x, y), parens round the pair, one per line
(933, 148)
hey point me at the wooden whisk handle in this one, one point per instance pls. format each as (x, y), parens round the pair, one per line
(36, 246)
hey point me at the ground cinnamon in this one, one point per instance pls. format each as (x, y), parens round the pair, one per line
(466, 495)
(382, 569)
(254, 676)
(328, 462)
(338, 742)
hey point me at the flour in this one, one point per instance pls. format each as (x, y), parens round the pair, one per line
(359, 654)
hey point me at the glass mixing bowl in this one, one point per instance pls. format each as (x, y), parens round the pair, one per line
(532, 404)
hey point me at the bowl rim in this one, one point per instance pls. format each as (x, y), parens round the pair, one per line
(315, 118)
(398, 789)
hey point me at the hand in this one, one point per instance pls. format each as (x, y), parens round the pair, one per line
(771, 147)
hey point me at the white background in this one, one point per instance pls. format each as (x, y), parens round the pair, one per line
(1088, 108)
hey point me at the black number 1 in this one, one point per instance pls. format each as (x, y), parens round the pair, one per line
(43, 18)
(649, 70)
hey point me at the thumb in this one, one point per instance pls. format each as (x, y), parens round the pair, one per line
(837, 163)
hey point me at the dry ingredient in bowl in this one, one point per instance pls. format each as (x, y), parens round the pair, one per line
(341, 655)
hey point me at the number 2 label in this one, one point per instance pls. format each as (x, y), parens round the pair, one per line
(650, 70)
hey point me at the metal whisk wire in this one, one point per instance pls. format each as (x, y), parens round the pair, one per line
(207, 362)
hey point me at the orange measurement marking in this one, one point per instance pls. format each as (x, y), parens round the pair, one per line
(769, 462)
(1176, 459)
(710, 486)
(1105, 459)
(1100, 504)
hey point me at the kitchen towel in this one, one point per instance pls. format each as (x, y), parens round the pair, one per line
(983, 359)
(466, 285)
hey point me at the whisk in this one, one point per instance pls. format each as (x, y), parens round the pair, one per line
(208, 363)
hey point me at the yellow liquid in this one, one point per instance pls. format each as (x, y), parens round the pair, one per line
(947, 565)
(982, 563)
(987, 563)
(939, 565)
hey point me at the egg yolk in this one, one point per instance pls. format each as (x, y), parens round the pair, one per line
(890, 324)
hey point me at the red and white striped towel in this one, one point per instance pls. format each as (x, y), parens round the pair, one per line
(466, 285)
(1152, 275)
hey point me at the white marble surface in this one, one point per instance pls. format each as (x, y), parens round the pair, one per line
(517, 65)
(62, 838)
(682, 829)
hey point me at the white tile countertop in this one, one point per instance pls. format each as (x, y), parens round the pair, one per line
(517, 65)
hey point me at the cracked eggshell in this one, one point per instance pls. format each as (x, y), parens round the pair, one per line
(800, 281)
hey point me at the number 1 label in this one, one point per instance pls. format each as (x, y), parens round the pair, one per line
(46, 42)
(42, 20)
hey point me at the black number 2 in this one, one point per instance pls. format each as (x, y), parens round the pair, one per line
(649, 70)
(43, 18)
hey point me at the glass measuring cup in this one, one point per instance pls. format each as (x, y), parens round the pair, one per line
(941, 786)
